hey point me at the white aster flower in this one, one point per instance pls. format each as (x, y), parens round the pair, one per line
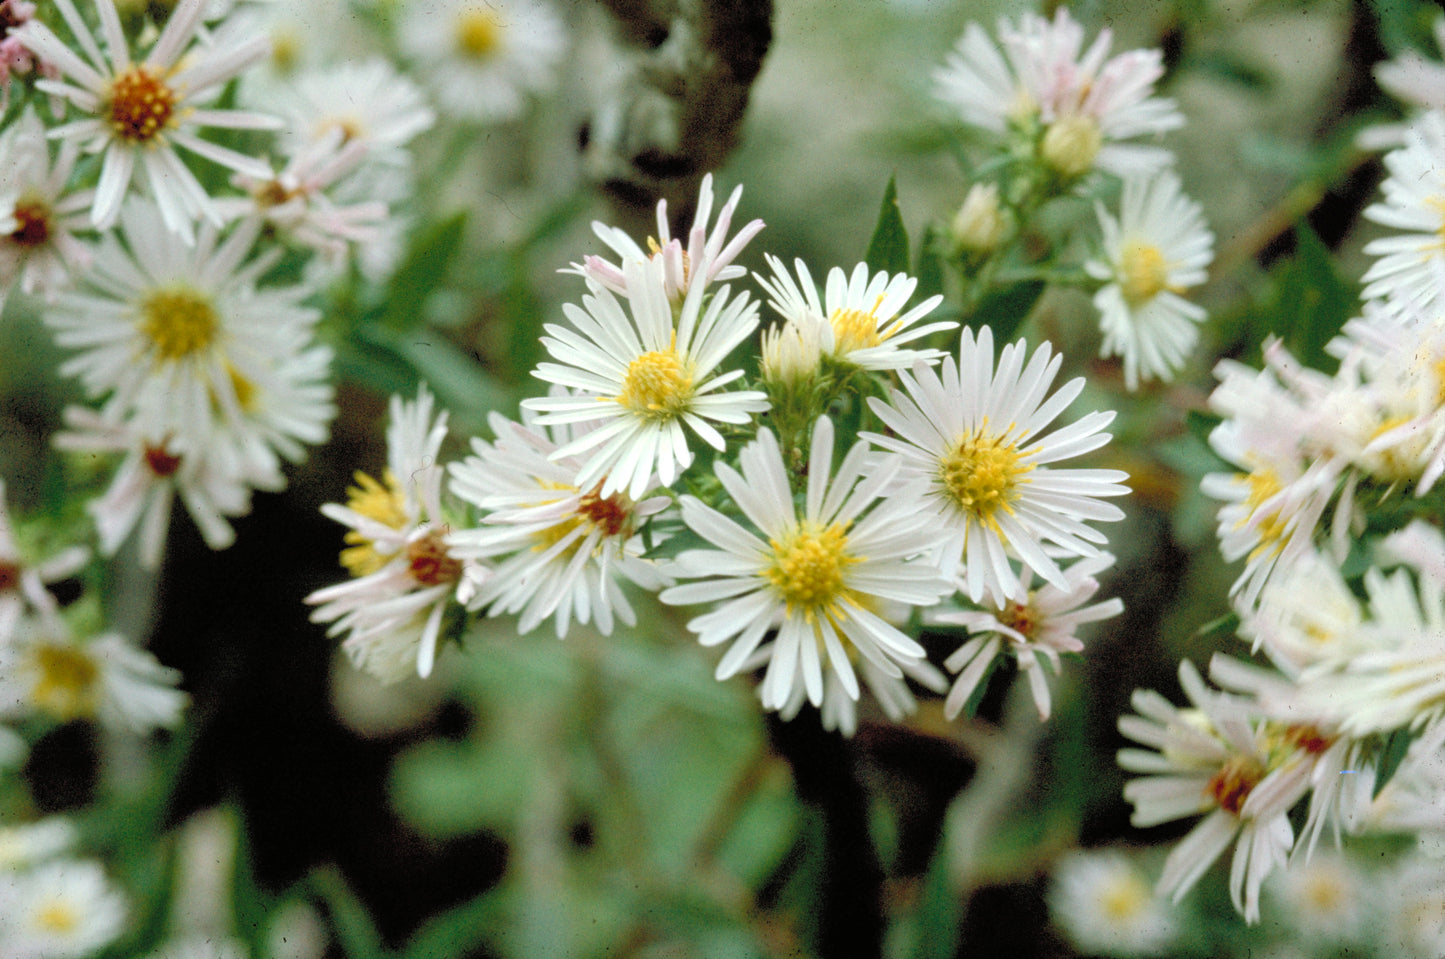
(817, 578)
(484, 56)
(644, 377)
(61, 910)
(1217, 759)
(138, 113)
(38, 218)
(1156, 250)
(1324, 902)
(559, 550)
(370, 103)
(182, 338)
(22, 847)
(1307, 617)
(47, 672)
(1413, 898)
(405, 576)
(1408, 272)
(1033, 629)
(976, 437)
(1103, 901)
(1084, 102)
(213, 481)
(707, 258)
(859, 319)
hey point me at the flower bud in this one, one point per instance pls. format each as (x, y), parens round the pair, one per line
(1070, 145)
(979, 225)
(792, 353)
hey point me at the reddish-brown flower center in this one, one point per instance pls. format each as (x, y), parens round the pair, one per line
(1308, 739)
(9, 575)
(141, 104)
(611, 515)
(1020, 617)
(430, 563)
(32, 220)
(1231, 786)
(161, 461)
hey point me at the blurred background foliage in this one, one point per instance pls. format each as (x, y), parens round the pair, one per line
(606, 797)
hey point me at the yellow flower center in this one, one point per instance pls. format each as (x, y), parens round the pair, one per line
(141, 104)
(983, 474)
(1070, 145)
(1124, 897)
(1020, 617)
(1326, 891)
(57, 917)
(1264, 483)
(478, 32)
(385, 503)
(808, 566)
(657, 385)
(32, 223)
(857, 329)
(179, 322)
(286, 45)
(65, 680)
(1144, 273)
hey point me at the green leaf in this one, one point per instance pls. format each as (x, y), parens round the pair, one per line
(940, 909)
(930, 265)
(421, 271)
(355, 934)
(888, 250)
(1310, 303)
(1396, 745)
(1004, 310)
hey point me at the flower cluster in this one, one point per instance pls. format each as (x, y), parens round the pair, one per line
(1059, 116)
(815, 548)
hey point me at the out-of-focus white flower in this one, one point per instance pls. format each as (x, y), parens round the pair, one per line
(405, 575)
(214, 482)
(1411, 264)
(1413, 898)
(859, 320)
(1084, 102)
(707, 258)
(60, 910)
(1323, 901)
(1216, 759)
(484, 57)
(816, 577)
(1034, 629)
(22, 847)
(38, 218)
(138, 113)
(45, 671)
(643, 378)
(1307, 617)
(1411, 78)
(975, 435)
(1157, 250)
(1107, 906)
(558, 550)
(369, 102)
(181, 339)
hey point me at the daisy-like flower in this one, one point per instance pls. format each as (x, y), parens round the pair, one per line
(484, 56)
(61, 910)
(182, 338)
(22, 847)
(405, 575)
(48, 672)
(1408, 271)
(213, 481)
(644, 377)
(1034, 630)
(1217, 759)
(975, 435)
(559, 550)
(138, 113)
(37, 217)
(1083, 103)
(1323, 901)
(706, 259)
(817, 578)
(1412, 79)
(1413, 907)
(859, 320)
(1107, 906)
(1158, 249)
(370, 103)
(22, 581)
